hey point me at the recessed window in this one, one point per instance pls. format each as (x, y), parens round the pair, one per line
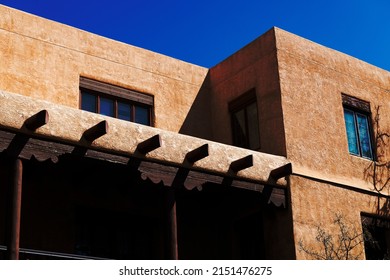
(245, 122)
(114, 101)
(376, 233)
(358, 126)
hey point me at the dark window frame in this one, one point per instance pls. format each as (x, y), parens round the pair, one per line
(359, 107)
(376, 236)
(242, 103)
(117, 94)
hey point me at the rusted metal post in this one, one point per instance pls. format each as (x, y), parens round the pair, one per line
(13, 246)
(171, 238)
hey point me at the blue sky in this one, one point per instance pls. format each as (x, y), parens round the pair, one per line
(206, 32)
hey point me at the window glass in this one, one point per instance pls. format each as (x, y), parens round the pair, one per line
(107, 107)
(253, 126)
(88, 102)
(245, 121)
(364, 135)
(376, 237)
(124, 111)
(115, 101)
(351, 132)
(358, 127)
(142, 115)
(239, 130)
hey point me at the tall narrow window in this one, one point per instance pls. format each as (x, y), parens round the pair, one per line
(245, 122)
(358, 126)
(114, 101)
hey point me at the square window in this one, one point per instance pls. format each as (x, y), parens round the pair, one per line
(142, 115)
(124, 111)
(88, 102)
(106, 107)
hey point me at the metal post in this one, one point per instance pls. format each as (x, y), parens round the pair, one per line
(171, 240)
(16, 210)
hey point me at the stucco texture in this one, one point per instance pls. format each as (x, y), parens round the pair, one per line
(317, 204)
(45, 59)
(253, 67)
(312, 80)
(327, 180)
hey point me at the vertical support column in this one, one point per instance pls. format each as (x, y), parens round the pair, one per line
(13, 245)
(171, 225)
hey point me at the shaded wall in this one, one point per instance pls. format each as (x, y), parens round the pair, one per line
(5, 198)
(91, 208)
(278, 231)
(99, 209)
(254, 66)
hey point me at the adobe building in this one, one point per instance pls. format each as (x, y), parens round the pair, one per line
(112, 151)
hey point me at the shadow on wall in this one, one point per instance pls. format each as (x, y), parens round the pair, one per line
(378, 171)
(376, 227)
(198, 122)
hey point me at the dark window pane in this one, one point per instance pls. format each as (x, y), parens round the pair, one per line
(253, 126)
(124, 111)
(351, 132)
(88, 102)
(239, 129)
(115, 101)
(364, 135)
(142, 115)
(107, 107)
(376, 234)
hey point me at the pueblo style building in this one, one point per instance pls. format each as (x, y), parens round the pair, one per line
(112, 151)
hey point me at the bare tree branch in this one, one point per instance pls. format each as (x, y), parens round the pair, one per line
(343, 248)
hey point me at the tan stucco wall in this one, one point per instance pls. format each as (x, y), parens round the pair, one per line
(317, 203)
(327, 180)
(44, 59)
(312, 79)
(254, 66)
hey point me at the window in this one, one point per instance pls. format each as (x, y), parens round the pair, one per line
(114, 101)
(245, 122)
(376, 233)
(358, 126)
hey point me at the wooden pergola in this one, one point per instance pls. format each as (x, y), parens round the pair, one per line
(31, 128)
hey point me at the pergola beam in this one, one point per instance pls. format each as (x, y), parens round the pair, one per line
(198, 154)
(36, 121)
(96, 131)
(241, 163)
(281, 171)
(150, 144)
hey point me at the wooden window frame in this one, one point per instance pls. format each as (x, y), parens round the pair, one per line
(358, 106)
(117, 94)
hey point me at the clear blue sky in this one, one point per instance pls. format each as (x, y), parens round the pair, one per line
(205, 32)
